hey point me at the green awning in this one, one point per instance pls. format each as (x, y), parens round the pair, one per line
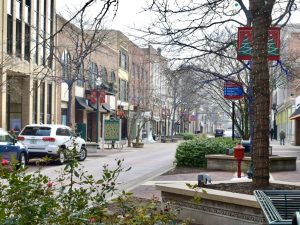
(82, 104)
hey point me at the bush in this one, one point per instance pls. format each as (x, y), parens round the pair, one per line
(188, 136)
(192, 153)
(74, 198)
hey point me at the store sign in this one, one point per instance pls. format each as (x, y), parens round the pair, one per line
(112, 130)
(233, 91)
(245, 43)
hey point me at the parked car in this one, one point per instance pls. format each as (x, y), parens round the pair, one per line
(228, 133)
(219, 133)
(48, 139)
(11, 149)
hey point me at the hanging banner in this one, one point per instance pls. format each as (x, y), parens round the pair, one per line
(233, 91)
(245, 43)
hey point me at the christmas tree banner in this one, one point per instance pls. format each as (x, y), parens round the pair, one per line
(245, 43)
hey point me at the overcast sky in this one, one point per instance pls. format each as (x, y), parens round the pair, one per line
(128, 14)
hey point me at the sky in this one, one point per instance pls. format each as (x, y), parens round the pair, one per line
(128, 15)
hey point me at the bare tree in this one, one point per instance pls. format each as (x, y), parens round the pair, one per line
(83, 37)
(193, 29)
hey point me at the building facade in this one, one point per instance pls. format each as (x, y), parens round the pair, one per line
(284, 104)
(28, 90)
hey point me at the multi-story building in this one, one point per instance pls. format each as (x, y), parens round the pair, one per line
(79, 68)
(157, 85)
(287, 91)
(28, 90)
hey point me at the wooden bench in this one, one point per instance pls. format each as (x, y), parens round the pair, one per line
(279, 206)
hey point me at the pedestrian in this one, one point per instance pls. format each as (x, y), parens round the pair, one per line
(272, 134)
(282, 137)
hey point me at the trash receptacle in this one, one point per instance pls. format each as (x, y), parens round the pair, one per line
(246, 145)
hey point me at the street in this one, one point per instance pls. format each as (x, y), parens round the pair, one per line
(145, 163)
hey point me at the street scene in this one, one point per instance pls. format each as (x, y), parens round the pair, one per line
(149, 112)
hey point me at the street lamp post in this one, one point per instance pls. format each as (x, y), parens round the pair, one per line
(98, 84)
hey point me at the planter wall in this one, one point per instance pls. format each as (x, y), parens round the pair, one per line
(229, 163)
(138, 145)
(216, 207)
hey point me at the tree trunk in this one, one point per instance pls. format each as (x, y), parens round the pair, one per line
(261, 93)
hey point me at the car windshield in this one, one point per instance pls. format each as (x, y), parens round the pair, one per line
(5, 137)
(36, 131)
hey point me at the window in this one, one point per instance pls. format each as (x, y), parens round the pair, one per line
(104, 74)
(63, 132)
(50, 25)
(42, 102)
(66, 65)
(64, 112)
(18, 28)
(113, 76)
(80, 78)
(18, 38)
(36, 31)
(123, 61)
(9, 40)
(123, 94)
(49, 104)
(27, 42)
(93, 74)
(36, 131)
(34, 98)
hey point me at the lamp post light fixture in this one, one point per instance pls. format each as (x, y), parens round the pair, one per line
(98, 85)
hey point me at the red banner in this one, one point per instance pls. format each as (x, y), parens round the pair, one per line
(245, 43)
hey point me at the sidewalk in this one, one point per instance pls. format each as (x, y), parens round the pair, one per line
(147, 190)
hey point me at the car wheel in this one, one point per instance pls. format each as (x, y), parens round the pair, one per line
(22, 161)
(82, 154)
(61, 158)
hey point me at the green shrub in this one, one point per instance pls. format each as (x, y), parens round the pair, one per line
(73, 198)
(188, 136)
(192, 153)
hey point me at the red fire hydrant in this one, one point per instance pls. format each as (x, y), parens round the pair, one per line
(239, 152)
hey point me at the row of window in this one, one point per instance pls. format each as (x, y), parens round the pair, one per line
(69, 74)
(49, 95)
(39, 40)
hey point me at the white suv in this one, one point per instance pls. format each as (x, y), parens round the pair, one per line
(47, 139)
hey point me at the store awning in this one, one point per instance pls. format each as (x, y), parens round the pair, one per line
(101, 109)
(82, 104)
(296, 114)
(107, 107)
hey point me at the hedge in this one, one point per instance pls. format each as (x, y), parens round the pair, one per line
(192, 153)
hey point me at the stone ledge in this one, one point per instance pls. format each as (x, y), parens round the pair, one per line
(215, 207)
(229, 163)
(211, 194)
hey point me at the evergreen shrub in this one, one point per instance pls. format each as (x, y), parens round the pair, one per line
(192, 153)
(188, 136)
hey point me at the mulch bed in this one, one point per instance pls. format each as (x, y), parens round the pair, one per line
(248, 187)
(242, 187)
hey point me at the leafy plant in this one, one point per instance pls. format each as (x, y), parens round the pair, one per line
(192, 152)
(188, 136)
(74, 198)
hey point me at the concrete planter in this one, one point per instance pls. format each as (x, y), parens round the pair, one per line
(215, 207)
(138, 145)
(229, 163)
